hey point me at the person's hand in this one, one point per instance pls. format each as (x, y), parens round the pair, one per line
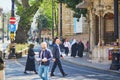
(62, 57)
(44, 60)
(54, 60)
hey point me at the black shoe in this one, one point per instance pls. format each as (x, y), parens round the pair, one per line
(25, 72)
(65, 75)
(52, 75)
(36, 73)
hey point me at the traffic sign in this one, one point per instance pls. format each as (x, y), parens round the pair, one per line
(12, 35)
(12, 27)
(12, 20)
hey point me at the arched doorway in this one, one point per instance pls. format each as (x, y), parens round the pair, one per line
(109, 28)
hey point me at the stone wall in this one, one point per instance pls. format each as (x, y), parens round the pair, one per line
(68, 26)
(101, 54)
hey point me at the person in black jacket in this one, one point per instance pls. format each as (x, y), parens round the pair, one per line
(56, 58)
(80, 49)
(30, 64)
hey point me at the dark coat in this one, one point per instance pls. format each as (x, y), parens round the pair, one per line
(47, 54)
(74, 49)
(30, 64)
(80, 49)
(55, 51)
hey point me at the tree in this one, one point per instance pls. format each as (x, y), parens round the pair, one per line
(43, 23)
(26, 9)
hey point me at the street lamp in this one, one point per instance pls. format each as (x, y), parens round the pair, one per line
(61, 19)
(53, 14)
(3, 28)
(116, 27)
(12, 10)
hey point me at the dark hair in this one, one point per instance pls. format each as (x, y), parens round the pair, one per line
(31, 45)
(54, 40)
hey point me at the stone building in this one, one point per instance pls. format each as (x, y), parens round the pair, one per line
(104, 27)
(68, 26)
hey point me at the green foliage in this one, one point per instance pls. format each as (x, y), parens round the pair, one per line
(46, 10)
(26, 15)
(20, 47)
(43, 21)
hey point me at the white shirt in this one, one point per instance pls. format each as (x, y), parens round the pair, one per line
(67, 44)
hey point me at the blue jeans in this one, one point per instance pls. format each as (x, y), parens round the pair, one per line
(43, 72)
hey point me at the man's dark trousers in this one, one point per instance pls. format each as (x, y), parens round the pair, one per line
(57, 62)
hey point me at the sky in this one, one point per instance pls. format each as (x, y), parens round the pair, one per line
(6, 5)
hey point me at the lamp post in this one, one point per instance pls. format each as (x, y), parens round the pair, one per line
(12, 10)
(60, 19)
(3, 28)
(53, 8)
(12, 15)
(116, 28)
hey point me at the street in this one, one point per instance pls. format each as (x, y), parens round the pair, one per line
(15, 68)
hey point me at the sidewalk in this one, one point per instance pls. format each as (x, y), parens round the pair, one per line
(14, 70)
(86, 61)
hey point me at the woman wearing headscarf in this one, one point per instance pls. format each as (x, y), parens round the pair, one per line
(74, 48)
(80, 49)
(30, 64)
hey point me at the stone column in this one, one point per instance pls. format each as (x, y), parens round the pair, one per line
(102, 26)
(92, 30)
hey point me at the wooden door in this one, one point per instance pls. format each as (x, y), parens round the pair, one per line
(109, 28)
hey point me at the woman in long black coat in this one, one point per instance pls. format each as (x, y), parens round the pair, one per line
(30, 64)
(80, 49)
(74, 50)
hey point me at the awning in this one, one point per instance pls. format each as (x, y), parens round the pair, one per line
(84, 4)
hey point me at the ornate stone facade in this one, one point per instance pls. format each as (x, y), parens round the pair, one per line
(101, 16)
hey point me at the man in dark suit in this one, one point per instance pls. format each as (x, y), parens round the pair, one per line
(56, 58)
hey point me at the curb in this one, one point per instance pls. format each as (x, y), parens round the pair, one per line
(112, 71)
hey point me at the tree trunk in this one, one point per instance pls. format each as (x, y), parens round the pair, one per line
(25, 20)
(21, 35)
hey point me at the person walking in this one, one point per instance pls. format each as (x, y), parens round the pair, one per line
(56, 58)
(30, 64)
(45, 56)
(66, 46)
(74, 48)
(80, 49)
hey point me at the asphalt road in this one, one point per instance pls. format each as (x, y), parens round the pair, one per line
(76, 72)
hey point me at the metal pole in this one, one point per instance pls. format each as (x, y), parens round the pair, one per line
(12, 15)
(3, 29)
(61, 19)
(12, 9)
(116, 29)
(52, 19)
